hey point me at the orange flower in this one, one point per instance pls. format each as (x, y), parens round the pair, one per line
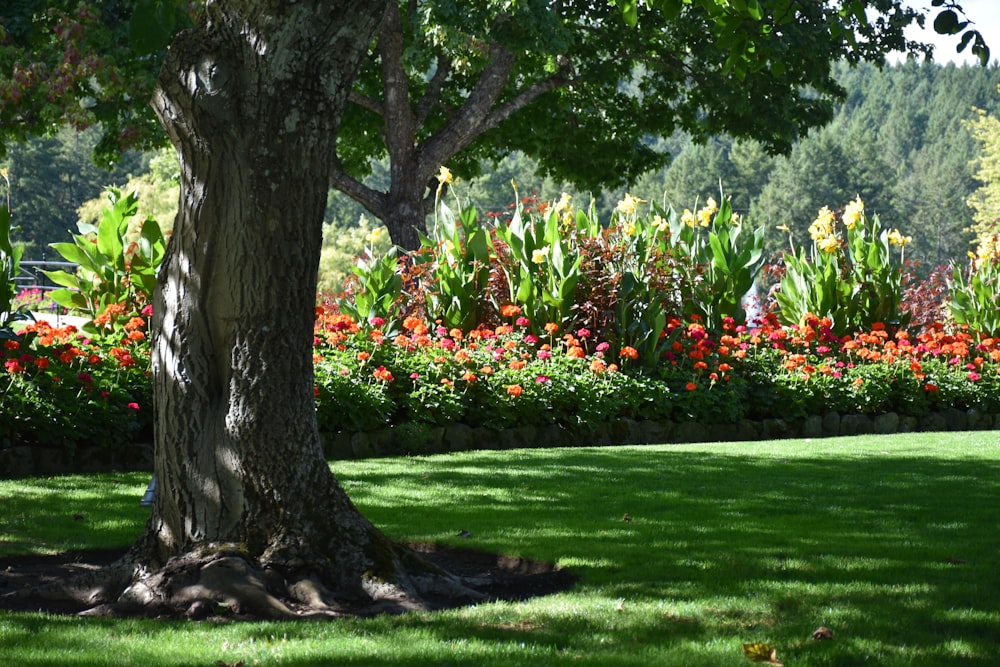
(690, 386)
(576, 353)
(629, 352)
(514, 390)
(382, 374)
(510, 310)
(598, 366)
(363, 356)
(551, 327)
(517, 365)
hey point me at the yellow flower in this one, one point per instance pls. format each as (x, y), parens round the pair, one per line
(853, 213)
(660, 224)
(711, 205)
(896, 238)
(828, 244)
(784, 228)
(563, 203)
(445, 176)
(538, 256)
(822, 226)
(688, 218)
(629, 228)
(629, 204)
(375, 235)
(705, 217)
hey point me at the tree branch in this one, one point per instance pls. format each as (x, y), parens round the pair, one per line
(466, 123)
(529, 95)
(366, 102)
(432, 96)
(373, 200)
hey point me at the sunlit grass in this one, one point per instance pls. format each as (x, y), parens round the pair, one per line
(684, 552)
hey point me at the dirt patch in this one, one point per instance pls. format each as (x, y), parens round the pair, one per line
(499, 577)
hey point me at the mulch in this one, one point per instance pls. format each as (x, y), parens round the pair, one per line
(509, 578)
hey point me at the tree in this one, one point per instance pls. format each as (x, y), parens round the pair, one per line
(247, 510)
(574, 87)
(246, 503)
(985, 201)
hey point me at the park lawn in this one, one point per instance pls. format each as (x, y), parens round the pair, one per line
(889, 541)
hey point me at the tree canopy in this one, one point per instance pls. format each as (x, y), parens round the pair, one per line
(582, 87)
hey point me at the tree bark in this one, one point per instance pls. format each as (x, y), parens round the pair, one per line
(247, 512)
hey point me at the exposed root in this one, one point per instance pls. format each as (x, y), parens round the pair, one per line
(223, 582)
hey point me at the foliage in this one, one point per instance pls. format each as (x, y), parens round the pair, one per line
(542, 266)
(593, 102)
(855, 289)
(457, 262)
(975, 292)
(10, 263)
(374, 293)
(157, 192)
(116, 261)
(985, 201)
(342, 245)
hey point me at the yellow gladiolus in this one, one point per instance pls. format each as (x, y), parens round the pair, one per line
(538, 256)
(828, 244)
(688, 218)
(853, 213)
(445, 176)
(629, 204)
(896, 238)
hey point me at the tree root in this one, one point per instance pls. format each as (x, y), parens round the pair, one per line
(220, 581)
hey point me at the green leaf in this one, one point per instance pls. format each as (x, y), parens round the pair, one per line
(152, 25)
(947, 23)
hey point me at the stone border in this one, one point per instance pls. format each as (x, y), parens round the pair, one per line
(417, 439)
(413, 439)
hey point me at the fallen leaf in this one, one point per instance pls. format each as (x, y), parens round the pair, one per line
(627, 517)
(762, 653)
(822, 632)
(621, 605)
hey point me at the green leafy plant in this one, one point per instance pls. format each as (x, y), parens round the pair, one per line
(116, 261)
(457, 261)
(542, 267)
(975, 292)
(374, 296)
(10, 262)
(856, 288)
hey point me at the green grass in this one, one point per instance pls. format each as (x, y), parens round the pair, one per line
(889, 541)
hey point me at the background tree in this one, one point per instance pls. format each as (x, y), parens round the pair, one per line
(51, 177)
(573, 87)
(985, 201)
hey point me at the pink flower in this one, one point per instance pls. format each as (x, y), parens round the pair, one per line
(132, 406)
(522, 321)
(377, 321)
(602, 347)
(531, 339)
(543, 354)
(542, 379)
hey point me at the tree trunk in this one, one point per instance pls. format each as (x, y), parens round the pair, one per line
(247, 511)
